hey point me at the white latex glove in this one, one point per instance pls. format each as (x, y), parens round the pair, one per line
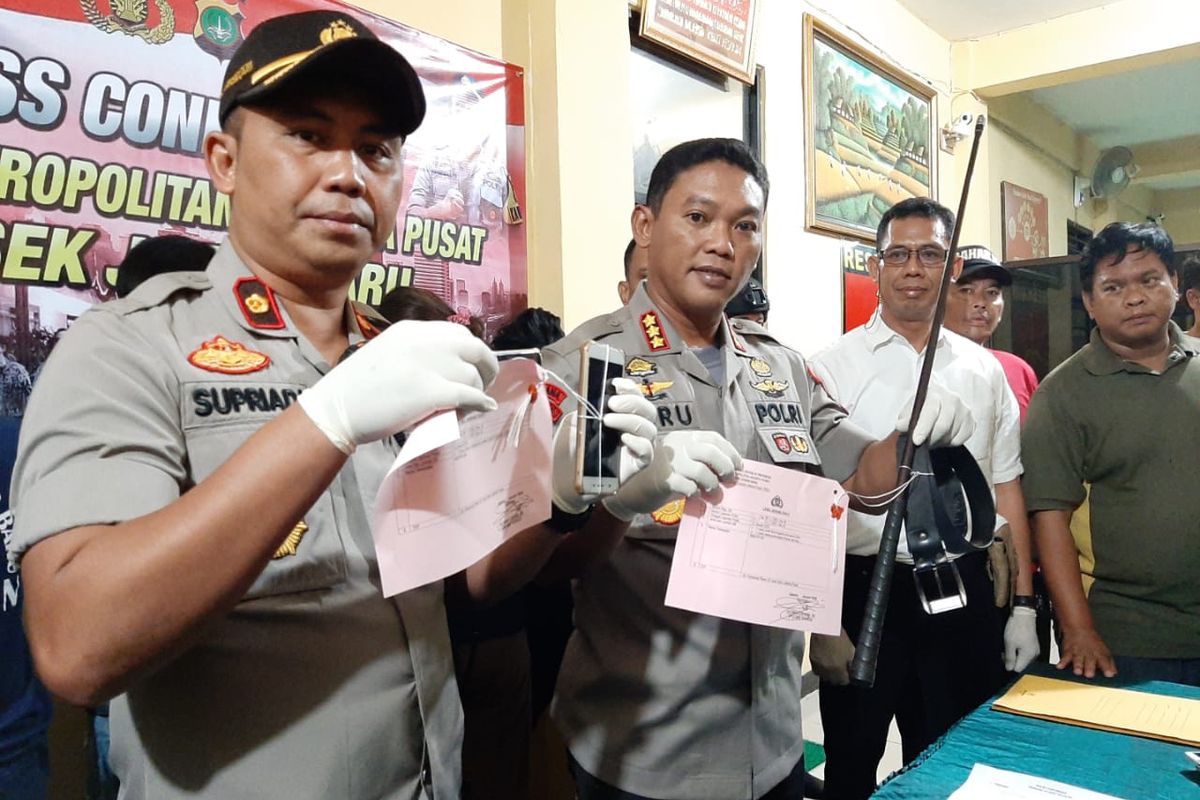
(629, 412)
(945, 420)
(1020, 639)
(831, 657)
(397, 379)
(684, 463)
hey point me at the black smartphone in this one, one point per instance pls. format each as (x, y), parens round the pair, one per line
(598, 449)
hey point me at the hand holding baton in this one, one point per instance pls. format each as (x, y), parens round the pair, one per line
(866, 650)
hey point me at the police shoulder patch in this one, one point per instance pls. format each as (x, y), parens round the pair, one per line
(231, 358)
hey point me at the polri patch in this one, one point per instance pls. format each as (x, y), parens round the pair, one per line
(258, 304)
(656, 337)
(231, 358)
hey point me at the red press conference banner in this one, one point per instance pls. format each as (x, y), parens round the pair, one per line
(103, 109)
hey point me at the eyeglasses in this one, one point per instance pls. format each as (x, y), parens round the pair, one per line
(929, 256)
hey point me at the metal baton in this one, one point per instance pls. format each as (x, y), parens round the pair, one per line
(866, 649)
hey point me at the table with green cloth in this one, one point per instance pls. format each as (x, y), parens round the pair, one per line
(1129, 767)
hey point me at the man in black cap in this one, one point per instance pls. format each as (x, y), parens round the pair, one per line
(975, 306)
(750, 304)
(193, 484)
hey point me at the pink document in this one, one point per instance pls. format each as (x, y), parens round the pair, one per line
(769, 550)
(460, 487)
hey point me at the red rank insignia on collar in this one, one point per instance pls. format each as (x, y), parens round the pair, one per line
(257, 302)
(366, 326)
(656, 337)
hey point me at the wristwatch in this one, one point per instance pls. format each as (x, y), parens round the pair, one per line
(564, 522)
(1024, 601)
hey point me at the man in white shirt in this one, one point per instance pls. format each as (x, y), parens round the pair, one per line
(932, 669)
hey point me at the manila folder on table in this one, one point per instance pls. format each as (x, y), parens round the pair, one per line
(1171, 719)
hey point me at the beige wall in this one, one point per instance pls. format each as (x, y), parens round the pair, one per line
(472, 23)
(579, 167)
(803, 277)
(1181, 208)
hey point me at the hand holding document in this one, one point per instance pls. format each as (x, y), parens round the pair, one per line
(989, 783)
(459, 488)
(769, 550)
(1171, 719)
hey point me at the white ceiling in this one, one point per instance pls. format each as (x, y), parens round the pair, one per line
(972, 19)
(1146, 105)
(1155, 104)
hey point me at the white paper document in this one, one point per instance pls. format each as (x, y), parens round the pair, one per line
(459, 488)
(769, 550)
(989, 783)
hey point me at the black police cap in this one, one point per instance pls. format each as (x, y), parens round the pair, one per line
(295, 48)
(978, 262)
(752, 299)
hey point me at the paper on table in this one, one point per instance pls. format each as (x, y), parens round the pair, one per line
(1171, 719)
(465, 486)
(989, 783)
(768, 550)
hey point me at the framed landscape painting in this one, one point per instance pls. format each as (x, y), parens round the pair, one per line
(869, 138)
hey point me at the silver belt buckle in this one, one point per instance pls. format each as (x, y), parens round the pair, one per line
(940, 587)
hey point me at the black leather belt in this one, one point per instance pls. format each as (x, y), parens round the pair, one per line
(950, 512)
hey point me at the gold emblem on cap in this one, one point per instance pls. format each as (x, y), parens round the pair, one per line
(338, 29)
(257, 304)
(292, 543)
(670, 514)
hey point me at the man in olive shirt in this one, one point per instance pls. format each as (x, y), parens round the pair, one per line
(1123, 414)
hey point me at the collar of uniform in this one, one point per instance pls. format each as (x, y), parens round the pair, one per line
(658, 335)
(225, 270)
(1099, 359)
(878, 333)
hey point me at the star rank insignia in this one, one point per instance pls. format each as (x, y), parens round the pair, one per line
(232, 358)
(258, 305)
(656, 338)
(292, 543)
(771, 387)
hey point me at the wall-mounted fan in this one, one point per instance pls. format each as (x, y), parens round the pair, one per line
(1112, 173)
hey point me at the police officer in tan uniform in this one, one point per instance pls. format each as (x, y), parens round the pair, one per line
(655, 701)
(193, 482)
